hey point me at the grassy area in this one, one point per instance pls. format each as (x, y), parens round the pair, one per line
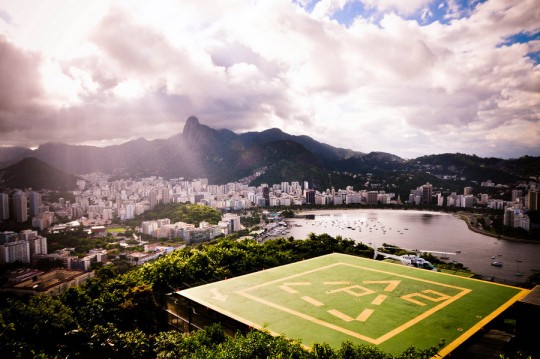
(337, 297)
(116, 230)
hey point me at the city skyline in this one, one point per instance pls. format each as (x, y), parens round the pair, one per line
(406, 77)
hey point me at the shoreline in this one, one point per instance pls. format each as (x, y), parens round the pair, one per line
(465, 217)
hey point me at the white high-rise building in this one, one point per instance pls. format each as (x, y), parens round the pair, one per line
(149, 227)
(35, 203)
(152, 199)
(509, 214)
(81, 184)
(20, 207)
(232, 220)
(4, 206)
(38, 245)
(27, 235)
(440, 199)
(130, 210)
(372, 197)
(484, 198)
(17, 251)
(467, 201)
(107, 214)
(165, 195)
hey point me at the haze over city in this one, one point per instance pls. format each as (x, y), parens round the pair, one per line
(408, 77)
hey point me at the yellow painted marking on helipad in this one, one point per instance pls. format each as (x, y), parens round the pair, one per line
(409, 297)
(366, 313)
(422, 316)
(310, 300)
(363, 291)
(287, 286)
(376, 341)
(342, 316)
(440, 296)
(336, 283)
(379, 299)
(392, 284)
(310, 318)
(260, 285)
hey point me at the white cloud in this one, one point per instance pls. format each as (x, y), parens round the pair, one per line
(247, 65)
(406, 7)
(327, 8)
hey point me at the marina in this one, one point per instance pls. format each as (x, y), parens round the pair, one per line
(442, 234)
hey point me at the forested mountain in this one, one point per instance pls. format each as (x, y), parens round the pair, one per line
(223, 156)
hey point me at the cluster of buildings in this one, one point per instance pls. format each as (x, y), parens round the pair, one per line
(23, 205)
(28, 247)
(515, 214)
(103, 201)
(424, 195)
(23, 247)
(190, 233)
(515, 210)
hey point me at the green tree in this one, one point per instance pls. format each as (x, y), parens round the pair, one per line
(107, 341)
(36, 326)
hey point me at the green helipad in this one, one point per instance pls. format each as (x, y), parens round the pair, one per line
(337, 297)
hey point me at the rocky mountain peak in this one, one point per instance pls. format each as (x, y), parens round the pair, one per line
(191, 125)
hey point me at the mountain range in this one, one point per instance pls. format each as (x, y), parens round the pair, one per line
(223, 156)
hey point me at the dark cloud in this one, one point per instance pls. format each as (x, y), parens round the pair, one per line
(136, 49)
(21, 95)
(18, 74)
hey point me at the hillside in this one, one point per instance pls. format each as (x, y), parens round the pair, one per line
(33, 173)
(12, 155)
(481, 169)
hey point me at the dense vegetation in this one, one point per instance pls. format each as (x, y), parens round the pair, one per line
(119, 315)
(179, 212)
(78, 239)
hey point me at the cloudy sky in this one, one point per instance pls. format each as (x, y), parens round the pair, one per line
(409, 77)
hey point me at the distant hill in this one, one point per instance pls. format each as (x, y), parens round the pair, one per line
(12, 155)
(223, 156)
(33, 173)
(481, 169)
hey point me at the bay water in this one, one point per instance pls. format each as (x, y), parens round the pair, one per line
(425, 231)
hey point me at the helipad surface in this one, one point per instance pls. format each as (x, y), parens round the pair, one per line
(337, 297)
